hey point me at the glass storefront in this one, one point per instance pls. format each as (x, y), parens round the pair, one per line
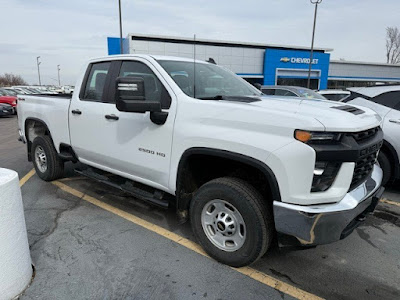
(314, 84)
(342, 84)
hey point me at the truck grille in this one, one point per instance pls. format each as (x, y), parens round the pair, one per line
(363, 169)
(364, 135)
(368, 156)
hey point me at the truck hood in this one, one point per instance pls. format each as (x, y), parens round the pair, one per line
(334, 116)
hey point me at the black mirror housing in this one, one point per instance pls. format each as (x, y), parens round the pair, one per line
(130, 96)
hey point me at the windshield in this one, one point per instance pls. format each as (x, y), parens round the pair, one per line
(310, 94)
(211, 81)
(335, 97)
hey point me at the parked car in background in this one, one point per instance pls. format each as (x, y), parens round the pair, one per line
(385, 100)
(21, 91)
(11, 100)
(27, 89)
(8, 92)
(6, 110)
(290, 91)
(335, 95)
(67, 89)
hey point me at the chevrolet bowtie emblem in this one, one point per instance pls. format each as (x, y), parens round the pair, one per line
(285, 59)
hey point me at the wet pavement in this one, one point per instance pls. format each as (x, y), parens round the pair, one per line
(81, 251)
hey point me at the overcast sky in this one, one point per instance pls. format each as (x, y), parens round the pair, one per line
(68, 32)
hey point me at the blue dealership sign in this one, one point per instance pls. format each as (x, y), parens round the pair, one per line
(297, 62)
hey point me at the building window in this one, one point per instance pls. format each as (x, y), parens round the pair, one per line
(302, 82)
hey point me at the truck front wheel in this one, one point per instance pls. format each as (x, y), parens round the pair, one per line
(231, 221)
(385, 164)
(45, 159)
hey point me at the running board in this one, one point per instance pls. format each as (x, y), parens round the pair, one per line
(156, 197)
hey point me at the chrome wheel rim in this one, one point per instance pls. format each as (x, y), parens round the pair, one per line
(223, 225)
(41, 159)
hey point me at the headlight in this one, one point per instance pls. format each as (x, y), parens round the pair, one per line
(325, 172)
(324, 175)
(316, 136)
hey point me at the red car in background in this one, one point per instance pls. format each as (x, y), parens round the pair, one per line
(6, 98)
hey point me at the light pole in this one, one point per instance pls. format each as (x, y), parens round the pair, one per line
(58, 70)
(38, 69)
(315, 2)
(120, 28)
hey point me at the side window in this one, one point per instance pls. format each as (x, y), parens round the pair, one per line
(96, 81)
(279, 92)
(389, 99)
(154, 90)
(397, 107)
(270, 92)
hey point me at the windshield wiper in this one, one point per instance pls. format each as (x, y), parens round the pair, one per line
(217, 97)
(246, 99)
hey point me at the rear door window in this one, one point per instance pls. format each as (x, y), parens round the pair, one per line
(389, 99)
(96, 81)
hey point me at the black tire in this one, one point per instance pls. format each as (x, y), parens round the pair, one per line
(55, 166)
(257, 217)
(384, 163)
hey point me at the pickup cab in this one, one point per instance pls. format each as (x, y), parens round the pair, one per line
(246, 169)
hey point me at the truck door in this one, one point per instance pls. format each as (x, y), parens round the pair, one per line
(86, 115)
(131, 144)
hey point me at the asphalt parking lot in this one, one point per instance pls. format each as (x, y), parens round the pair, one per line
(89, 241)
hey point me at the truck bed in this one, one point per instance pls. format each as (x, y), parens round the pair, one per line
(50, 109)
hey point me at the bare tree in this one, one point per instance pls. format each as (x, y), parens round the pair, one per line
(392, 45)
(9, 79)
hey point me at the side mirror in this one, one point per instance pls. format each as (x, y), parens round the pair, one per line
(130, 96)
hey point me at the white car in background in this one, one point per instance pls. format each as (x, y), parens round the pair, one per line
(290, 91)
(385, 100)
(67, 89)
(334, 95)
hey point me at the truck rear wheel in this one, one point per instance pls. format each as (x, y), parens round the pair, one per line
(231, 221)
(45, 159)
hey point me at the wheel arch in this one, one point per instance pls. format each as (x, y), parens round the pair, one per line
(392, 154)
(186, 184)
(33, 128)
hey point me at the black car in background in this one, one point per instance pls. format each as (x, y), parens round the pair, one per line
(6, 110)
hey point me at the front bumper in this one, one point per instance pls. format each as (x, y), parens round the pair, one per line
(323, 224)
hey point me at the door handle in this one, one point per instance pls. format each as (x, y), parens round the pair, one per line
(76, 112)
(394, 121)
(111, 117)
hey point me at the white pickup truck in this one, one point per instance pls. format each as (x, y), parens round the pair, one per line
(245, 168)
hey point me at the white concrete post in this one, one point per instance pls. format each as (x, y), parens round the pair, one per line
(15, 259)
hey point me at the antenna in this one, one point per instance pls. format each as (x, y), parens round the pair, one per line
(194, 66)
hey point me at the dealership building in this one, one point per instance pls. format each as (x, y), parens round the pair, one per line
(263, 63)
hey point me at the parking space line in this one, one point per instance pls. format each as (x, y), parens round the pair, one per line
(26, 177)
(384, 200)
(248, 271)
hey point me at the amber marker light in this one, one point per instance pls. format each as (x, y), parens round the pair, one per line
(302, 136)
